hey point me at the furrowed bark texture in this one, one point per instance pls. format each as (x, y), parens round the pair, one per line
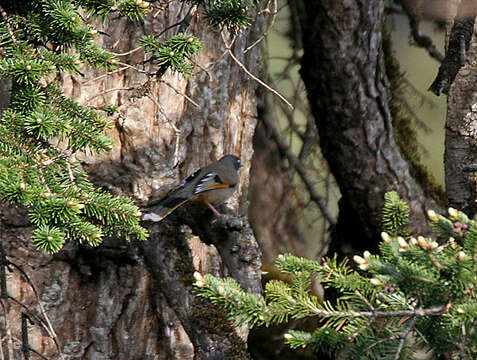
(461, 136)
(136, 300)
(343, 70)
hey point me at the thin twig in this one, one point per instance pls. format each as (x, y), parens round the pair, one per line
(71, 175)
(110, 90)
(43, 180)
(300, 169)
(179, 92)
(390, 338)
(186, 17)
(134, 68)
(49, 328)
(404, 336)
(172, 125)
(242, 66)
(270, 26)
(130, 51)
(435, 311)
(364, 300)
(353, 336)
(107, 74)
(434, 261)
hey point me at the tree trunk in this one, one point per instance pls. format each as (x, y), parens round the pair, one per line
(136, 300)
(344, 71)
(461, 136)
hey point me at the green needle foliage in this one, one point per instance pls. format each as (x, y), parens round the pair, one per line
(230, 14)
(42, 129)
(173, 52)
(415, 294)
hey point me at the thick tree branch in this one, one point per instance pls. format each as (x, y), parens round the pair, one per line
(421, 40)
(459, 42)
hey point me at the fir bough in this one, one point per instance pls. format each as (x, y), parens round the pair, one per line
(42, 129)
(229, 14)
(172, 53)
(416, 293)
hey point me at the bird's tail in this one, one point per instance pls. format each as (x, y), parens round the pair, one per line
(164, 208)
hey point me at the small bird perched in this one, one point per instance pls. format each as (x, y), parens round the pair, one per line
(212, 184)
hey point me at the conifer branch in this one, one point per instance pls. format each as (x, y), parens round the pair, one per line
(402, 284)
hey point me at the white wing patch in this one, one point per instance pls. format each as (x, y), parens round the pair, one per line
(206, 181)
(189, 178)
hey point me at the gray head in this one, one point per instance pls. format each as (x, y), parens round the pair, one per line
(231, 160)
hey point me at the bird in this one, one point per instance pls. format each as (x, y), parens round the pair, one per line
(212, 184)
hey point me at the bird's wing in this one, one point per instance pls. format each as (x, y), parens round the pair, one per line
(210, 181)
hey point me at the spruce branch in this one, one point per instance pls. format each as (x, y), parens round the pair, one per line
(42, 129)
(413, 286)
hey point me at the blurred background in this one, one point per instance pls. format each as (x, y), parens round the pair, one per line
(426, 111)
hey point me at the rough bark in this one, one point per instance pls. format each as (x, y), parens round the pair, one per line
(458, 44)
(135, 300)
(461, 136)
(343, 70)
